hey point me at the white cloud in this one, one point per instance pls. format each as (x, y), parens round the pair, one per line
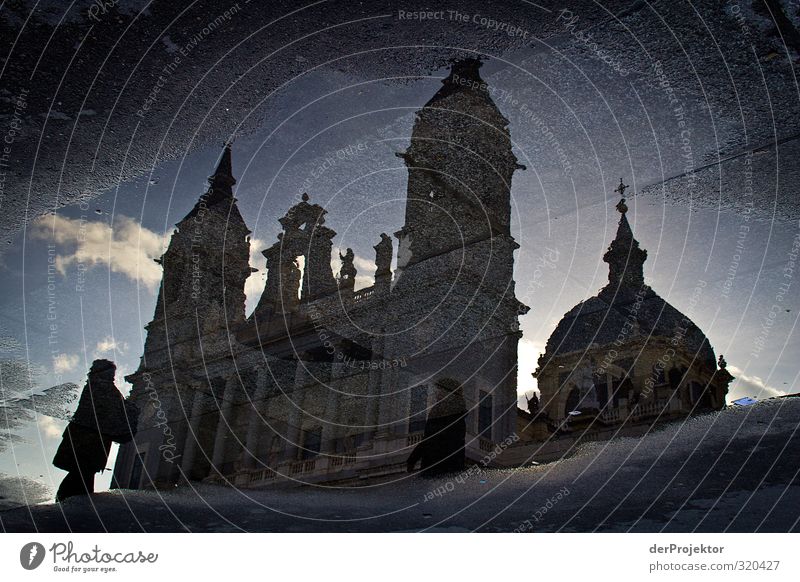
(746, 385)
(108, 345)
(254, 285)
(121, 383)
(365, 269)
(63, 363)
(365, 275)
(125, 247)
(528, 353)
(50, 427)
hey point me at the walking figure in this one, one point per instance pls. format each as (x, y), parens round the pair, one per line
(442, 449)
(102, 416)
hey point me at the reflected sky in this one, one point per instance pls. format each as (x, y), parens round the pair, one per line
(720, 247)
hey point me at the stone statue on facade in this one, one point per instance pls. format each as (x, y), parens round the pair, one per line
(347, 274)
(584, 381)
(383, 256)
(533, 404)
(290, 282)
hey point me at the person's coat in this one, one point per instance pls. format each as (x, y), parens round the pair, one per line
(102, 416)
(443, 445)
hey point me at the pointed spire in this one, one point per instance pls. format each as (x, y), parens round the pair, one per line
(222, 181)
(624, 257)
(220, 185)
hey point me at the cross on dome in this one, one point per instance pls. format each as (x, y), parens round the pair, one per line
(622, 208)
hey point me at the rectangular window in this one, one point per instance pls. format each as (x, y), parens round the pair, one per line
(312, 442)
(136, 470)
(348, 444)
(484, 414)
(418, 408)
(601, 389)
(696, 392)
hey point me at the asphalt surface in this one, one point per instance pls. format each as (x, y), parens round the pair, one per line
(732, 471)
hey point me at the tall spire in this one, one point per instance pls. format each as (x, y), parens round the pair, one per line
(222, 181)
(460, 164)
(205, 268)
(220, 187)
(624, 257)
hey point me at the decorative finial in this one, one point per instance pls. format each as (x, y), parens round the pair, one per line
(621, 188)
(721, 362)
(305, 197)
(621, 206)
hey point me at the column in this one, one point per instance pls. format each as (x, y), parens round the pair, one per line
(505, 400)
(330, 430)
(190, 447)
(374, 386)
(254, 422)
(225, 423)
(295, 416)
(388, 406)
(171, 455)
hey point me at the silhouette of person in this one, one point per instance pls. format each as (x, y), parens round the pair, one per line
(102, 416)
(442, 449)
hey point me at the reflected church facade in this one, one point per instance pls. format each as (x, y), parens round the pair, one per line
(326, 384)
(322, 382)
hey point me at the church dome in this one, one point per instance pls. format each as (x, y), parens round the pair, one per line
(602, 319)
(625, 309)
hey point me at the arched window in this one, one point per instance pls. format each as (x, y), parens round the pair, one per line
(700, 395)
(573, 401)
(675, 377)
(418, 408)
(601, 389)
(135, 482)
(619, 389)
(484, 413)
(312, 442)
(626, 391)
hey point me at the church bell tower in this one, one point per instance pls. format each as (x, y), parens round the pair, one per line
(454, 308)
(460, 164)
